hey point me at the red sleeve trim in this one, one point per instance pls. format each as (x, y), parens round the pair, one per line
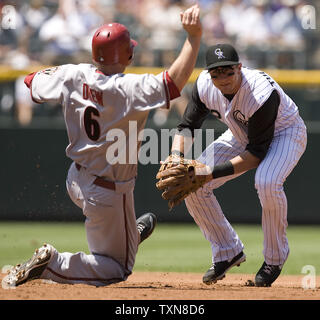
(173, 90)
(98, 71)
(28, 79)
(28, 82)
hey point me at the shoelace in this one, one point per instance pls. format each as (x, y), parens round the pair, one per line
(140, 227)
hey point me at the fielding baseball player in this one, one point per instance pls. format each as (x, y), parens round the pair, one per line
(265, 132)
(96, 99)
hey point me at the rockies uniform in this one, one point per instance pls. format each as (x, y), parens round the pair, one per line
(262, 119)
(93, 105)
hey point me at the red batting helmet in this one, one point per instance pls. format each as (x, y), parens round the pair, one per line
(111, 44)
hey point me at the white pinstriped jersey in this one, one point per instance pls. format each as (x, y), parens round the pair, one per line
(285, 150)
(93, 104)
(255, 89)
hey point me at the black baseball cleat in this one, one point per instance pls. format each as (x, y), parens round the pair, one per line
(267, 275)
(31, 269)
(219, 269)
(145, 225)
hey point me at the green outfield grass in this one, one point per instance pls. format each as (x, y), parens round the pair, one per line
(172, 247)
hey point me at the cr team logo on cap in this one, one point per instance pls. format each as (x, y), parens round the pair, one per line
(219, 53)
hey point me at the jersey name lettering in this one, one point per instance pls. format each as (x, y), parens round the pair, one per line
(91, 94)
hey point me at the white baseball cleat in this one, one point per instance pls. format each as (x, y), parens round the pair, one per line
(31, 269)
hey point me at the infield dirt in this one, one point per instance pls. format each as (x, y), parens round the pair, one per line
(166, 286)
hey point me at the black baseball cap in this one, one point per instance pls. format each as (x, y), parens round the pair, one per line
(221, 55)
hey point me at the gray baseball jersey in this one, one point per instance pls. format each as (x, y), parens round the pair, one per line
(93, 104)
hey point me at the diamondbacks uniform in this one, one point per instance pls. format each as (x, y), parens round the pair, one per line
(287, 144)
(98, 182)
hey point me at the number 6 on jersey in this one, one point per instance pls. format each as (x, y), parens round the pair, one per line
(91, 125)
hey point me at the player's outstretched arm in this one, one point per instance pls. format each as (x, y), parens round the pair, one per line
(182, 67)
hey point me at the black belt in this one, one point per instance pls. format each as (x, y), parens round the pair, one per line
(100, 181)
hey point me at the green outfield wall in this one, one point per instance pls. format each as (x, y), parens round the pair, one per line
(33, 165)
(33, 168)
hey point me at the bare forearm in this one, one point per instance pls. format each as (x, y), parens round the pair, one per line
(239, 164)
(244, 162)
(182, 143)
(181, 70)
(182, 67)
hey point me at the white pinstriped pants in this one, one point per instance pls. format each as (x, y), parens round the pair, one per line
(284, 153)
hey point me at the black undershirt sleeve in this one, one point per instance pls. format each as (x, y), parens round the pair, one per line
(194, 114)
(261, 126)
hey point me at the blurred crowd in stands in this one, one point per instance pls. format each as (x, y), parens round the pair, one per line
(59, 31)
(267, 33)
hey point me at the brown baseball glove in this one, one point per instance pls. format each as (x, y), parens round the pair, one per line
(171, 161)
(180, 180)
